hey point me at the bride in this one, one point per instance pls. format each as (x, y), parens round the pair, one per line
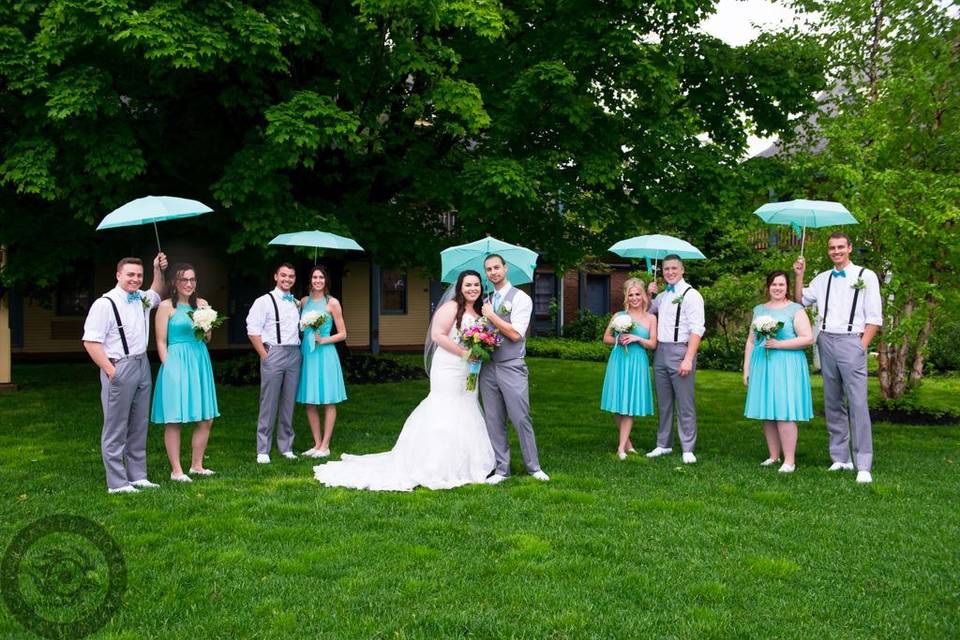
(444, 442)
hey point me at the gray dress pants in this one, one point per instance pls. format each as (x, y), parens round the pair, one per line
(843, 363)
(504, 388)
(279, 377)
(674, 389)
(126, 407)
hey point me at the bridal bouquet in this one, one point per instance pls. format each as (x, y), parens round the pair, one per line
(312, 320)
(204, 319)
(620, 325)
(765, 327)
(481, 339)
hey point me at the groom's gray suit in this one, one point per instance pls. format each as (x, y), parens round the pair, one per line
(505, 393)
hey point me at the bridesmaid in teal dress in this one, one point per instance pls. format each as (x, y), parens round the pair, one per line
(776, 374)
(321, 378)
(627, 388)
(184, 391)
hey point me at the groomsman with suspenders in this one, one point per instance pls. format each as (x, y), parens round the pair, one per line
(680, 327)
(115, 336)
(849, 312)
(273, 326)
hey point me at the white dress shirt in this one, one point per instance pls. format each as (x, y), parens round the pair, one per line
(261, 321)
(520, 310)
(692, 318)
(842, 290)
(101, 325)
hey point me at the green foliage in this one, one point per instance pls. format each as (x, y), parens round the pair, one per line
(728, 304)
(588, 328)
(358, 368)
(567, 349)
(558, 125)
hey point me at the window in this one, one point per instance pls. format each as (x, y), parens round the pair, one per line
(598, 294)
(544, 291)
(75, 293)
(393, 292)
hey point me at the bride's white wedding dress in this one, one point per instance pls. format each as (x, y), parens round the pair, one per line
(443, 444)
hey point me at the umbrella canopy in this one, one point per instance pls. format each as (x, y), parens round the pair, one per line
(656, 246)
(318, 240)
(151, 210)
(521, 261)
(805, 213)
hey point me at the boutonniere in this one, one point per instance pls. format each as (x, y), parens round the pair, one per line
(858, 285)
(677, 300)
(145, 301)
(505, 308)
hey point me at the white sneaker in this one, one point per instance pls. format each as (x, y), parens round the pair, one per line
(495, 479)
(180, 477)
(541, 476)
(769, 462)
(659, 451)
(322, 453)
(263, 458)
(127, 488)
(143, 483)
(622, 455)
(841, 466)
(688, 457)
(631, 450)
(289, 455)
(310, 453)
(864, 477)
(787, 468)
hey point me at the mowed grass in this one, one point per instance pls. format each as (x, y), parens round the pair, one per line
(607, 549)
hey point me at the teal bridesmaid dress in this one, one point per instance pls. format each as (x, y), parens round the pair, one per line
(779, 384)
(321, 378)
(627, 387)
(185, 391)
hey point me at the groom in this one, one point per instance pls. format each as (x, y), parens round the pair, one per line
(503, 382)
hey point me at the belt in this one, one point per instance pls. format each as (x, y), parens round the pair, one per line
(133, 357)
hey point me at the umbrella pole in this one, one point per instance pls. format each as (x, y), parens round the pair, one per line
(156, 234)
(803, 236)
(315, 251)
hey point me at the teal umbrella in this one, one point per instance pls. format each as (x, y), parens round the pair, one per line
(801, 214)
(152, 209)
(521, 261)
(655, 247)
(318, 240)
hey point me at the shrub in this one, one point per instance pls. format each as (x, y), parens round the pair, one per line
(589, 328)
(565, 349)
(944, 347)
(357, 369)
(721, 354)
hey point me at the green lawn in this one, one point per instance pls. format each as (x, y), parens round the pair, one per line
(642, 548)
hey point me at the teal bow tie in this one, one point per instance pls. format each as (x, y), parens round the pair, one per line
(671, 288)
(839, 274)
(133, 297)
(287, 297)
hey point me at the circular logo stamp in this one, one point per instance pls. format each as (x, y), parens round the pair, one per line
(63, 576)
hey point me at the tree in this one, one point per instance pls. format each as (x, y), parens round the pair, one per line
(561, 124)
(893, 157)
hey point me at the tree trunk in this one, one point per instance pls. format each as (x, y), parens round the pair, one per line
(894, 358)
(916, 372)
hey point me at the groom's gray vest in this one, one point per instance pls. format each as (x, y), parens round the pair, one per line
(509, 350)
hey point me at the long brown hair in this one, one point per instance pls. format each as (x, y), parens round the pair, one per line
(326, 281)
(178, 271)
(461, 301)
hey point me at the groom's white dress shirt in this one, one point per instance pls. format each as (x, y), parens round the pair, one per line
(842, 290)
(692, 317)
(101, 325)
(521, 310)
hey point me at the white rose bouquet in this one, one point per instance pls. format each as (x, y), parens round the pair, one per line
(620, 325)
(312, 320)
(205, 319)
(765, 327)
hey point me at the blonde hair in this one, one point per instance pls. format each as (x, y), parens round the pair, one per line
(637, 283)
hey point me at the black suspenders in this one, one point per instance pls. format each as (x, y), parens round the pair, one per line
(276, 311)
(116, 315)
(853, 307)
(676, 325)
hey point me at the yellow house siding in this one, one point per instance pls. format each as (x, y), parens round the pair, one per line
(356, 303)
(411, 328)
